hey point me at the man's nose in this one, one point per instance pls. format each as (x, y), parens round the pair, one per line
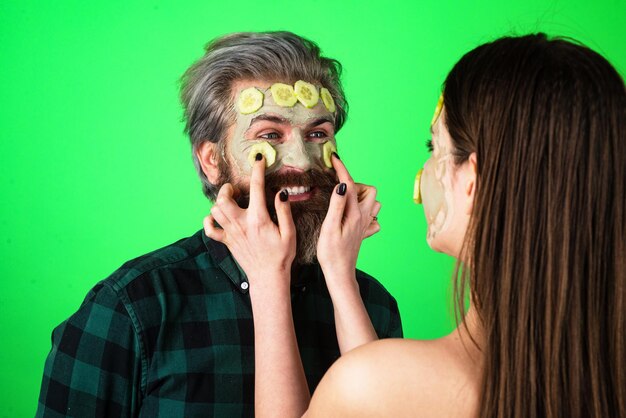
(296, 154)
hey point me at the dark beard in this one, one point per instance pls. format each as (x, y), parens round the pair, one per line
(308, 215)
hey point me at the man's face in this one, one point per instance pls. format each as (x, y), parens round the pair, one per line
(297, 134)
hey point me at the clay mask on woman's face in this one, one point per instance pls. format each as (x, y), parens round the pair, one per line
(296, 133)
(436, 183)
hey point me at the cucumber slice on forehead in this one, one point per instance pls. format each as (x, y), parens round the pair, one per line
(327, 98)
(437, 110)
(417, 188)
(306, 93)
(250, 100)
(283, 94)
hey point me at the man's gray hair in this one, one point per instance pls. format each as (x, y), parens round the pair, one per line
(267, 56)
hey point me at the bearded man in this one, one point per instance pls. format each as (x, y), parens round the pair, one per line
(171, 333)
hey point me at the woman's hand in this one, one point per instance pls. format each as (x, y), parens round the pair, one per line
(265, 252)
(262, 249)
(352, 217)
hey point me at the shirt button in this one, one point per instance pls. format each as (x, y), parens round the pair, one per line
(245, 285)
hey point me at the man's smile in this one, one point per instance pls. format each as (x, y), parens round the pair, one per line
(299, 193)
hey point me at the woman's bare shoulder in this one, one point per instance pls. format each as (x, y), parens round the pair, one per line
(397, 377)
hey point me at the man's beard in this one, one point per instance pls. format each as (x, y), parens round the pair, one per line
(308, 215)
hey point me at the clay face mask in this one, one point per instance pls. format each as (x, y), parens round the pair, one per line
(281, 121)
(436, 182)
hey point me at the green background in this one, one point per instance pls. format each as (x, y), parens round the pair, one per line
(95, 169)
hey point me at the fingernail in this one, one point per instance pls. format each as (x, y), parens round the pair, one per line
(259, 157)
(284, 196)
(342, 189)
(336, 155)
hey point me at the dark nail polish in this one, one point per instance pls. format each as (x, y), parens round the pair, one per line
(259, 157)
(284, 196)
(336, 155)
(341, 191)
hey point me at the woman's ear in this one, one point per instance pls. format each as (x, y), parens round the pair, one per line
(471, 176)
(207, 156)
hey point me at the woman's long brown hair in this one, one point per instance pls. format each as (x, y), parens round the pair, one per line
(545, 249)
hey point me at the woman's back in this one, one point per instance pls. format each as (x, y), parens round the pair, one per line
(403, 378)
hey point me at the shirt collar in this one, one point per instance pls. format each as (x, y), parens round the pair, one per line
(223, 258)
(300, 275)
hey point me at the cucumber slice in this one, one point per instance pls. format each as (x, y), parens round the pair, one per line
(328, 150)
(283, 94)
(264, 148)
(437, 110)
(327, 98)
(250, 100)
(306, 93)
(417, 188)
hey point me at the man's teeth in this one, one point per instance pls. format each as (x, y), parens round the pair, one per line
(298, 190)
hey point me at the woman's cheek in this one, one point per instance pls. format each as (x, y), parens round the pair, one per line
(432, 194)
(437, 198)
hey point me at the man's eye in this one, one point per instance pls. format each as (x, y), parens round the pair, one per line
(270, 135)
(318, 134)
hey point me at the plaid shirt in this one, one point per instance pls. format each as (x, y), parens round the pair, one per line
(170, 334)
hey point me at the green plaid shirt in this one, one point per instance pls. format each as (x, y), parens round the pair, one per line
(170, 334)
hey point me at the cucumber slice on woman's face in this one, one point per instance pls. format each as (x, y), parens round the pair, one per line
(437, 110)
(417, 188)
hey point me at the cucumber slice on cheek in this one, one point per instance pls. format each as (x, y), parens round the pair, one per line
(263, 148)
(328, 149)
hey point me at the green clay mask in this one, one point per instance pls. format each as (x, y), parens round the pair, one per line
(296, 133)
(436, 184)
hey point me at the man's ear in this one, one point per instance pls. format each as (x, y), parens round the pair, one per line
(471, 176)
(208, 156)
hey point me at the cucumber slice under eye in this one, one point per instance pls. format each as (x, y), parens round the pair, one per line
(264, 148)
(328, 149)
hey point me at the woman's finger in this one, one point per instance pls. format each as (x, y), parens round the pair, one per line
(375, 209)
(257, 185)
(372, 229)
(337, 206)
(220, 217)
(341, 170)
(365, 193)
(361, 200)
(226, 200)
(212, 231)
(283, 213)
(372, 226)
